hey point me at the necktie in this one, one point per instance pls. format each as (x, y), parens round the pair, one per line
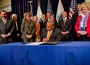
(49, 34)
(64, 20)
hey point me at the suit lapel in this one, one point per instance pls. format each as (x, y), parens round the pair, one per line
(2, 22)
(45, 34)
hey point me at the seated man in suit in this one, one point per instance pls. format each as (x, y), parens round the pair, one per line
(65, 27)
(50, 33)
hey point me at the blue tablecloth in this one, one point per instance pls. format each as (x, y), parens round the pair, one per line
(67, 53)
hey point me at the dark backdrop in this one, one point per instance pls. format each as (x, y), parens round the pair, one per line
(21, 6)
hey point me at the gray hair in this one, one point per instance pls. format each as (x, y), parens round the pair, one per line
(50, 21)
(13, 15)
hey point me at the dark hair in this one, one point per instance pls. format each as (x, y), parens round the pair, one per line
(49, 12)
(3, 11)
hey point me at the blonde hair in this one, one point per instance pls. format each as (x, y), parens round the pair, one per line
(35, 16)
(85, 4)
(25, 14)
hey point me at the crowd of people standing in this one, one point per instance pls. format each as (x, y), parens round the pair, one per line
(46, 29)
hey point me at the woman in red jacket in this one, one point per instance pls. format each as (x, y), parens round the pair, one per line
(82, 25)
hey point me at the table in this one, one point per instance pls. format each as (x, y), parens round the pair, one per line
(67, 53)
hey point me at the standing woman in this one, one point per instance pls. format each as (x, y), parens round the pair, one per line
(82, 25)
(28, 28)
(37, 33)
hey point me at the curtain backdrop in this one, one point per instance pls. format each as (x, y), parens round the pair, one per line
(43, 6)
(21, 6)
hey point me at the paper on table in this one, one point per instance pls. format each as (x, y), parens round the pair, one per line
(42, 43)
(35, 43)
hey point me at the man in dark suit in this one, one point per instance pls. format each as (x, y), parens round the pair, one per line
(6, 28)
(74, 19)
(65, 27)
(50, 33)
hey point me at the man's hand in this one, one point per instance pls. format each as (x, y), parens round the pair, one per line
(45, 40)
(18, 35)
(64, 33)
(38, 40)
(5, 35)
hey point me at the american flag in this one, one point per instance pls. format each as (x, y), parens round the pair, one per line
(39, 11)
(72, 9)
(49, 9)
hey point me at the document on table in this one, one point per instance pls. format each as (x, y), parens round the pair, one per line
(35, 43)
(42, 43)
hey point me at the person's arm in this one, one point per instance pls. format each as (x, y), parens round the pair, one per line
(38, 29)
(1, 34)
(12, 26)
(22, 27)
(88, 26)
(42, 36)
(70, 27)
(77, 24)
(33, 30)
(58, 36)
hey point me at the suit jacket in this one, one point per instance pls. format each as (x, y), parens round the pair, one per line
(19, 27)
(77, 25)
(42, 24)
(55, 35)
(28, 28)
(5, 29)
(65, 27)
(16, 38)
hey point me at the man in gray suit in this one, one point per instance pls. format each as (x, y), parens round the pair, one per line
(6, 28)
(50, 33)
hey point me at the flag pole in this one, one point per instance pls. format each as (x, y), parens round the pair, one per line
(73, 6)
(38, 2)
(30, 2)
(39, 11)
